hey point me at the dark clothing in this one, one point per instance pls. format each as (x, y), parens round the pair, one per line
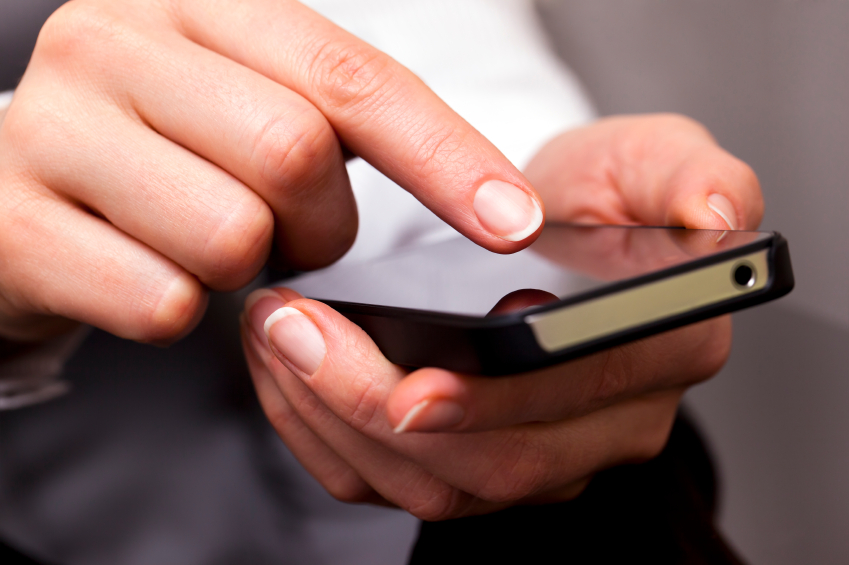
(661, 512)
(11, 556)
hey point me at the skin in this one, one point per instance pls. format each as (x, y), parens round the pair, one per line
(533, 438)
(155, 150)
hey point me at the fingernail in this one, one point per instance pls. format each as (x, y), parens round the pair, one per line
(724, 209)
(259, 305)
(506, 210)
(297, 338)
(431, 416)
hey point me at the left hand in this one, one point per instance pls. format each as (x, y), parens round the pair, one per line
(349, 415)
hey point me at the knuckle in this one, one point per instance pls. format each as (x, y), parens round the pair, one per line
(436, 502)
(436, 149)
(350, 76)
(33, 124)
(715, 350)
(362, 406)
(76, 29)
(520, 471)
(309, 407)
(23, 220)
(289, 149)
(652, 441)
(747, 183)
(365, 407)
(279, 415)
(702, 350)
(733, 175)
(682, 123)
(745, 174)
(238, 245)
(348, 486)
(614, 376)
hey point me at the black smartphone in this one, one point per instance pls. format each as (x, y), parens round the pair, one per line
(578, 289)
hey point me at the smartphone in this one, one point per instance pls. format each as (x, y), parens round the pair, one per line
(576, 290)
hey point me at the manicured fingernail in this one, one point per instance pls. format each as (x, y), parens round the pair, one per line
(259, 305)
(723, 208)
(297, 338)
(506, 210)
(431, 416)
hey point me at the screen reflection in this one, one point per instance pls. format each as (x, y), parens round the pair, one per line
(458, 277)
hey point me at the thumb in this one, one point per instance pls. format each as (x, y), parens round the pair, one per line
(336, 359)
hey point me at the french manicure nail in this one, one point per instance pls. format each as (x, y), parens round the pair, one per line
(297, 338)
(723, 208)
(506, 210)
(431, 416)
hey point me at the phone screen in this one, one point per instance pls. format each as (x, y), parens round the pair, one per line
(457, 276)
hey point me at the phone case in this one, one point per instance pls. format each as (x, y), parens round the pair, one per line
(529, 339)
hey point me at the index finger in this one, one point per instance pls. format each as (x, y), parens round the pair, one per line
(380, 110)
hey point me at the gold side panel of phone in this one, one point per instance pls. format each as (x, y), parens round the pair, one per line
(647, 303)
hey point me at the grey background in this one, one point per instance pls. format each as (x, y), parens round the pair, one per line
(770, 78)
(20, 21)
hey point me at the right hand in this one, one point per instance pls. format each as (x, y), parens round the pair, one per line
(443, 444)
(154, 150)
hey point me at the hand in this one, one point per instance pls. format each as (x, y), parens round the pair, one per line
(441, 444)
(657, 170)
(157, 149)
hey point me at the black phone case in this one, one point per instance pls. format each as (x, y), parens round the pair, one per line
(505, 344)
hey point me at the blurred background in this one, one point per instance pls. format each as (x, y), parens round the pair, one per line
(770, 79)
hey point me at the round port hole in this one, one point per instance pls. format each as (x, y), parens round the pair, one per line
(744, 276)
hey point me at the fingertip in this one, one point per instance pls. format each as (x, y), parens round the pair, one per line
(305, 251)
(704, 209)
(413, 394)
(261, 304)
(348, 348)
(287, 294)
(411, 414)
(296, 340)
(745, 192)
(508, 211)
(275, 293)
(722, 207)
(723, 193)
(258, 295)
(178, 312)
(431, 415)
